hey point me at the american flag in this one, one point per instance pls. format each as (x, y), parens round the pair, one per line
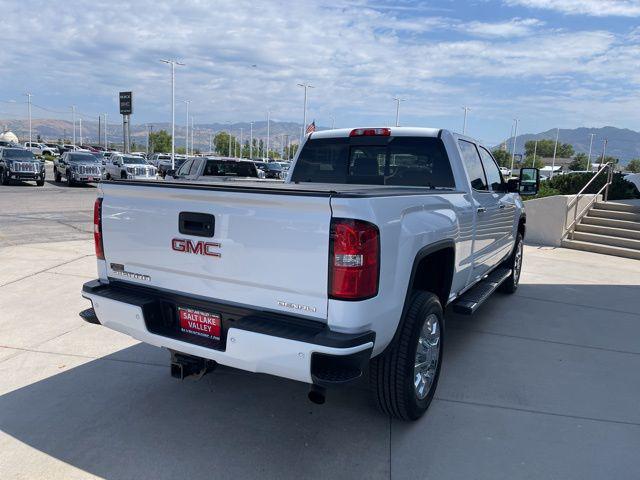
(311, 128)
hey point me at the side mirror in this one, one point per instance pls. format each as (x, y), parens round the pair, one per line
(513, 185)
(529, 182)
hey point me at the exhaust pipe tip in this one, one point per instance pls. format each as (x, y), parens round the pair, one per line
(317, 395)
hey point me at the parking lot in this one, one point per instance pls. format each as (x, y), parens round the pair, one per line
(541, 384)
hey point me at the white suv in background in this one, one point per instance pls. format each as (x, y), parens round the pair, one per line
(128, 167)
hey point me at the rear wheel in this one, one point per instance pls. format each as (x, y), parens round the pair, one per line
(403, 379)
(514, 263)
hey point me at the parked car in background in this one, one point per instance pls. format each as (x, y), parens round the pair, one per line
(214, 169)
(273, 170)
(156, 158)
(77, 167)
(345, 268)
(506, 173)
(41, 149)
(55, 147)
(122, 166)
(20, 164)
(164, 165)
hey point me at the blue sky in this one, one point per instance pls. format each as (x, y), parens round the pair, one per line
(551, 63)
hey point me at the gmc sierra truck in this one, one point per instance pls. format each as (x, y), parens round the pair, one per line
(345, 268)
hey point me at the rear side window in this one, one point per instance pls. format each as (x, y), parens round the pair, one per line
(221, 168)
(473, 165)
(400, 161)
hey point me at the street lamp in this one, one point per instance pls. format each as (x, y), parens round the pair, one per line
(515, 139)
(398, 100)
(173, 64)
(306, 86)
(186, 137)
(73, 118)
(464, 124)
(251, 141)
(106, 143)
(268, 132)
(29, 97)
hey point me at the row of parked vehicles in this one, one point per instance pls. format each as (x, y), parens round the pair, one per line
(76, 165)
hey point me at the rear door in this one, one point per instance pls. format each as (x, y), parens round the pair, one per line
(268, 251)
(488, 227)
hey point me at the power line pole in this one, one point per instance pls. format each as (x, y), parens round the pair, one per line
(398, 100)
(73, 118)
(555, 151)
(106, 143)
(515, 140)
(306, 86)
(173, 64)
(251, 141)
(590, 148)
(29, 100)
(186, 136)
(464, 124)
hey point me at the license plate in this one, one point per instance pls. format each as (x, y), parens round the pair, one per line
(202, 324)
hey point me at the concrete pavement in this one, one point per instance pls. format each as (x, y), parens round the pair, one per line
(541, 384)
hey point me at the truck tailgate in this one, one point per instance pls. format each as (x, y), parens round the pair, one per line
(268, 250)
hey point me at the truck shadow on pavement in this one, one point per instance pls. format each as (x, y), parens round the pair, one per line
(122, 416)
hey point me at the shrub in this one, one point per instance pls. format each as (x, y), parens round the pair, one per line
(571, 184)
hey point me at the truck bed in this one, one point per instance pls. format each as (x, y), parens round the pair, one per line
(302, 189)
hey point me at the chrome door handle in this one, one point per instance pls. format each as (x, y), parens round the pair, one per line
(482, 210)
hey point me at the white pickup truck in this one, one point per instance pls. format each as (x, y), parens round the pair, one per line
(345, 268)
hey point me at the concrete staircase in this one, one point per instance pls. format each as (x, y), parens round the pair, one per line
(608, 228)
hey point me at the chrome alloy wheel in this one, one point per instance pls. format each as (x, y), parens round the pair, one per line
(427, 356)
(517, 263)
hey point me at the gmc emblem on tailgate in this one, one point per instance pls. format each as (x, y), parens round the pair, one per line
(197, 248)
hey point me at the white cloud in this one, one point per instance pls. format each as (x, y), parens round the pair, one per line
(516, 27)
(596, 8)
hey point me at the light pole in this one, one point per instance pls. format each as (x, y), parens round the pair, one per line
(268, 132)
(186, 137)
(555, 151)
(106, 143)
(398, 100)
(515, 139)
(535, 152)
(306, 86)
(173, 64)
(73, 118)
(29, 101)
(211, 143)
(250, 140)
(590, 147)
(80, 122)
(192, 132)
(464, 124)
(333, 122)
(241, 140)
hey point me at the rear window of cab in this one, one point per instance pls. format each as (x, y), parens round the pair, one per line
(398, 161)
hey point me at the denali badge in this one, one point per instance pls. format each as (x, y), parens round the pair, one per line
(197, 248)
(118, 269)
(296, 306)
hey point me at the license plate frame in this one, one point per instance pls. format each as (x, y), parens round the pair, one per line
(199, 326)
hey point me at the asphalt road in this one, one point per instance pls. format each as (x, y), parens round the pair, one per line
(543, 384)
(53, 213)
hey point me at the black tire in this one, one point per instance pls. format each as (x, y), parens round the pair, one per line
(391, 374)
(70, 182)
(108, 176)
(40, 182)
(123, 176)
(56, 176)
(514, 263)
(5, 178)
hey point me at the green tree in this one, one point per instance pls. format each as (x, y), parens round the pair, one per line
(546, 147)
(160, 141)
(634, 166)
(502, 157)
(221, 143)
(579, 162)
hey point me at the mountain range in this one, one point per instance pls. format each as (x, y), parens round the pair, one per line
(621, 143)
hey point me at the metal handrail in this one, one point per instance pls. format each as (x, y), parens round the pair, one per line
(578, 217)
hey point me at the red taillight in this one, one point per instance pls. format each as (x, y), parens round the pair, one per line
(354, 259)
(97, 228)
(370, 132)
